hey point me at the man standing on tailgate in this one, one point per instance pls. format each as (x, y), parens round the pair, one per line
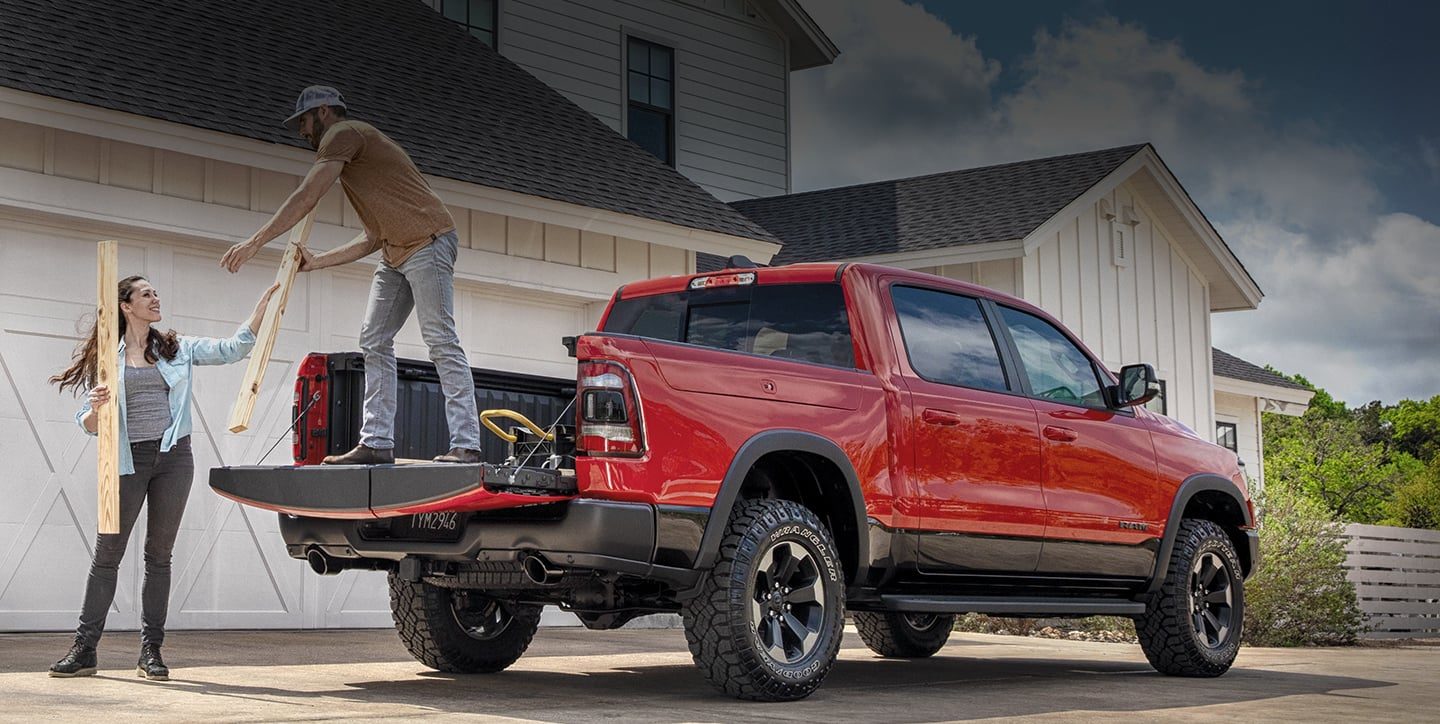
(411, 227)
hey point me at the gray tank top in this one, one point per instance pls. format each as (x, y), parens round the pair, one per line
(147, 404)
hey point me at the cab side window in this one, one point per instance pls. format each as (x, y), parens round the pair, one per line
(1057, 369)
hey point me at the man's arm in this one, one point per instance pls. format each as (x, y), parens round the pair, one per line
(321, 177)
(357, 248)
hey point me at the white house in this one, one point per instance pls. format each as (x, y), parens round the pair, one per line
(158, 124)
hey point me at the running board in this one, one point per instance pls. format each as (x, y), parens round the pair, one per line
(1028, 607)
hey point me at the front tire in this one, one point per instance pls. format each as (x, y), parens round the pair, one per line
(767, 622)
(1193, 625)
(905, 635)
(460, 631)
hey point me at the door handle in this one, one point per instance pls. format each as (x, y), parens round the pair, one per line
(940, 417)
(1062, 434)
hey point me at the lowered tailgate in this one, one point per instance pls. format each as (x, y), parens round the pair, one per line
(370, 491)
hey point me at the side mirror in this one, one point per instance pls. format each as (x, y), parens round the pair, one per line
(1138, 385)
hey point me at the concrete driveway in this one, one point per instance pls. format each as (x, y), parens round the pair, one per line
(574, 675)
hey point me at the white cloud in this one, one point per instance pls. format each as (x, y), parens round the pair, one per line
(1363, 322)
(909, 96)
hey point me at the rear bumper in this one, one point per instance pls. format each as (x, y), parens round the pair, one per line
(587, 534)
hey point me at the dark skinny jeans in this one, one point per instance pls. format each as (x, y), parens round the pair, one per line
(164, 479)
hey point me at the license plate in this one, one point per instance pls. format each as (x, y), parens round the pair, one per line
(428, 526)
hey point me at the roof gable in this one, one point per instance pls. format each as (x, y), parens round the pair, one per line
(938, 211)
(461, 110)
(1003, 211)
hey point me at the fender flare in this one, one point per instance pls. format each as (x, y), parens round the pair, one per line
(750, 453)
(1197, 483)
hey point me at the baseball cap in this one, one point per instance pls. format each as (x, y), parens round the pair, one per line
(313, 97)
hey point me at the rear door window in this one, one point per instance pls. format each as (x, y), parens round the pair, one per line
(947, 339)
(805, 322)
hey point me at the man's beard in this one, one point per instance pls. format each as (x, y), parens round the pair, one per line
(320, 128)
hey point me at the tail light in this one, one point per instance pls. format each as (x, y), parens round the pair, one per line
(609, 420)
(311, 411)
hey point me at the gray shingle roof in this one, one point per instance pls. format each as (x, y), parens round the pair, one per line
(955, 208)
(1228, 365)
(460, 109)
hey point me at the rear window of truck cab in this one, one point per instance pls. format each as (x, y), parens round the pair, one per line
(804, 322)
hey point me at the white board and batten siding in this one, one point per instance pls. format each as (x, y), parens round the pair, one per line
(1240, 410)
(731, 84)
(1154, 307)
(521, 285)
(1396, 572)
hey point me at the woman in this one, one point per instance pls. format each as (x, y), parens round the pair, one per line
(153, 392)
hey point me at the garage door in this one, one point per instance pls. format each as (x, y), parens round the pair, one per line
(230, 568)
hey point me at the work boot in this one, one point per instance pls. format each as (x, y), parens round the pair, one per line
(459, 455)
(79, 662)
(151, 666)
(362, 455)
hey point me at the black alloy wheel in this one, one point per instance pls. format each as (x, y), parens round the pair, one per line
(787, 603)
(1212, 602)
(483, 619)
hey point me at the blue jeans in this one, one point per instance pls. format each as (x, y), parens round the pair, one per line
(425, 283)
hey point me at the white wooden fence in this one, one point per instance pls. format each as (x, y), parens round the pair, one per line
(1396, 572)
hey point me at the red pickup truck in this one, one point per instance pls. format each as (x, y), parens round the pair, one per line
(766, 449)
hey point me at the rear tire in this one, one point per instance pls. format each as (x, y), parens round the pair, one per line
(460, 631)
(767, 622)
(1193, 625)
(905, 635)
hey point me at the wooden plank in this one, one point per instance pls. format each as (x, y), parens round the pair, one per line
(1392, 533)
(1377, 560)
(1412, 578)
(107, 332)
(1409, 593)
(1393, 547)
(1395, 635)
(1419, 608)
(269, 327)
(1417, 624)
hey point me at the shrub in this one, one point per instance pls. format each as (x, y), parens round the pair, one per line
(1300, 596)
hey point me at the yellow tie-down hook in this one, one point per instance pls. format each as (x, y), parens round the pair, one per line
(513, 415)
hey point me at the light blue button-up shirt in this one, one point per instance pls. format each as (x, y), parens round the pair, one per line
(193, 351)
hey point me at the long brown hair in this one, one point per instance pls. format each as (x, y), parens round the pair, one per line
(80, 375)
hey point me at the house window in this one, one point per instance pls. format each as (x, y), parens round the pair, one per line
(1226, 436)
(650, 89)
(480, 17)
(1158, 403)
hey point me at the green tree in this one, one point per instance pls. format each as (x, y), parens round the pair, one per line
(1327, 458)
(1299, 596)
(1416, 502)
(1415, 427)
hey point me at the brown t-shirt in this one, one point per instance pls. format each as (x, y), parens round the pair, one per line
(395, 204)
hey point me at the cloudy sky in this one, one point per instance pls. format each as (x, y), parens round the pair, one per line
(1308, 133)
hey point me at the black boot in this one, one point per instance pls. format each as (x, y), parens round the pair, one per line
(79, 662)
(151, 666)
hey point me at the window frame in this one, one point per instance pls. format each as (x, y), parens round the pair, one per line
(1102, 375)
(1235, 435)
(1006, 368)
(439, 7)
(671, 113)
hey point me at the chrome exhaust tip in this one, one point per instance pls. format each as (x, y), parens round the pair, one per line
(540, 571)
(321, 563)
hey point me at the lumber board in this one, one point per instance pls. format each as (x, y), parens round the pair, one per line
(244, 405)
(107, 332)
